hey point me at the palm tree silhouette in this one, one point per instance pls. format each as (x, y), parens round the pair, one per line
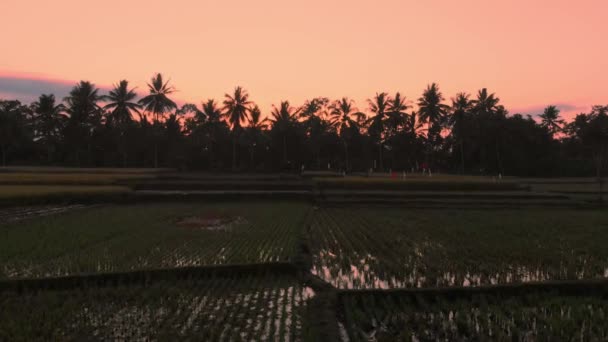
(84, 114)
(282, 119)
(49, 119)
(255, 126)
(314, 113)
(120, 103)
(158, 103)
(432, 111)
(485, 103)
(378, 105)
(461, 106)
(211, 116)
(347, 120)
(550, 119)
(396, 115)
(235, 109)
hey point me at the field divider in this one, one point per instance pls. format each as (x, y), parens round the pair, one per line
(145, 276)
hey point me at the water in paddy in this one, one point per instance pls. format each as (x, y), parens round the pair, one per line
(369, 271)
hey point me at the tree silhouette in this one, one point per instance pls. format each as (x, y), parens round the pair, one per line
(255, 129)
(235, 109)
(347, 120)
(157, 101)
(378, 106)
(49, 121)
(432, 112)
(551, 120)
(282, 119)
(84, 116)
(461, 107)
(13, 127)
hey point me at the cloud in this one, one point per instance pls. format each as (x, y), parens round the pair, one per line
(27, 89)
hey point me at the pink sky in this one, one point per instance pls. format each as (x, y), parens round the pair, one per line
(531, 53)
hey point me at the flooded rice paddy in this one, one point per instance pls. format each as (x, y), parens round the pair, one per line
(126, 238)
(390, 248)
(263, 308)
(535, 317)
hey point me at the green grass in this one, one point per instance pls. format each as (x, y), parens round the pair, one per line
(257, 308)
(533, 317)
(390, 248)
(131, 237)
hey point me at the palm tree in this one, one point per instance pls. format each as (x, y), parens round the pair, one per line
(485, 103)
(314, 113)
(432, 112)
(347, 120)
(378, 105)
(212, 115)
(551, 120)
(255, 126)
(211, 111)
(121, 106)
(49, 120)
(282, 119)
(396, 115)
(235, 109)
(461, 106)
(158, 103)
(84, 114)
(120, 103)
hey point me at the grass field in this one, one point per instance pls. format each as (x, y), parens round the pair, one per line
(389, 248)
(534, 317)
(259, 308)
(163, 235)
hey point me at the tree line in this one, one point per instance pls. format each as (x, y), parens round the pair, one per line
(468, 134)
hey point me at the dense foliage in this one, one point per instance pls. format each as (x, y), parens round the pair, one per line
(472, 134)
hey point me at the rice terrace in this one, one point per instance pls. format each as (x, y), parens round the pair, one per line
(154, 254)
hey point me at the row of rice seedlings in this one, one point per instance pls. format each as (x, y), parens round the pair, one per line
(269, 236)
(388, 248)
(218, 309)
(533, 317)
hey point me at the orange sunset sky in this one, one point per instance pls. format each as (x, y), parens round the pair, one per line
(530, 53)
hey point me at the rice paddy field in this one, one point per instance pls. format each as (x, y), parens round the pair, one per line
(392, 248)
(259, 308)
(150, 236)
(533, 317)
(236, 269)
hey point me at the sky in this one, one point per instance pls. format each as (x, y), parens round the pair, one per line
(531, 53)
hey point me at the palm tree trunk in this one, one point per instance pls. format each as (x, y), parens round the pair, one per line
(251, 157)
(462, 157)
(234, 154)
(381, 163)
(345, 156)
(284, 149)
(3, 148)
(155, 154)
